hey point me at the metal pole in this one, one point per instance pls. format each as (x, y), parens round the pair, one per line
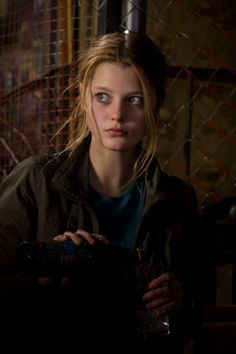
(109, 18)
(134, 15)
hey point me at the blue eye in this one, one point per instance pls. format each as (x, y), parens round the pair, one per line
(102, 97)
(138, 100)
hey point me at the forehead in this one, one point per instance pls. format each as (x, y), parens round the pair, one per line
(116, 74)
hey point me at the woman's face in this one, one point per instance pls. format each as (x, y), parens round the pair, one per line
(114, 108)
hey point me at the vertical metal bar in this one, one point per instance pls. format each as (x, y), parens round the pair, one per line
(134, 15)
(102, 19)
(109, 19)
(188, 136)
(53, 33)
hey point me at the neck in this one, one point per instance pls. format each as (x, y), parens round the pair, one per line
(109, 174)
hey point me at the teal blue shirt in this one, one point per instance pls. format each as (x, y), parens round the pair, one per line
(119, 217)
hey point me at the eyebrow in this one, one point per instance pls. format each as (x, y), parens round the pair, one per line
(104, 88)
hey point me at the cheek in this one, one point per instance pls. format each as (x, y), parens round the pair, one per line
(91, 121)
(95, 116)
(142, 124)
(144, 129)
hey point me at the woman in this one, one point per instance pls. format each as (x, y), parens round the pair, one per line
(107, 189)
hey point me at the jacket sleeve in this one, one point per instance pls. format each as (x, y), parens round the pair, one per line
(186, 254)
(18, 218)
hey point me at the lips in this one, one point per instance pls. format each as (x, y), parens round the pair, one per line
(116, 132)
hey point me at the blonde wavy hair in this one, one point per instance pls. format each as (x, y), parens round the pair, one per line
(145, 57)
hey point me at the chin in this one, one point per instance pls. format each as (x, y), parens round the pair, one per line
(118, 147)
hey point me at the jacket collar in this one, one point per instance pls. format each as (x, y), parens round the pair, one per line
(71, 178)
(154, 185)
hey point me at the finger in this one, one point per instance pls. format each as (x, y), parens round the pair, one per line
(60, 238)
(79, 236)
(164, 304)
(157, 282)
(162, 310)
(101, 238)
(163, 294)
(156, 302)
(162, 291)
(68, 236)
(90, 238)
(85, 236)
(165, 279)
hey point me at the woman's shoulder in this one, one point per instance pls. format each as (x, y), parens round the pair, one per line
(178, 187)
(176, 181)
(173, 186)
(35, 166)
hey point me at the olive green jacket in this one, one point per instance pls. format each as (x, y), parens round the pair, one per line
(47, 195)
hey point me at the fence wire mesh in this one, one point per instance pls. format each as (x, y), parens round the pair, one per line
(39, 40)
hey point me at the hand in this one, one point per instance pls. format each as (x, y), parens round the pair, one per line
(79, 237)
(165, 294)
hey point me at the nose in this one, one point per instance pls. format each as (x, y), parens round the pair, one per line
(116, 112)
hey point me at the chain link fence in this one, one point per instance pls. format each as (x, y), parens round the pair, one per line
(39, 40)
